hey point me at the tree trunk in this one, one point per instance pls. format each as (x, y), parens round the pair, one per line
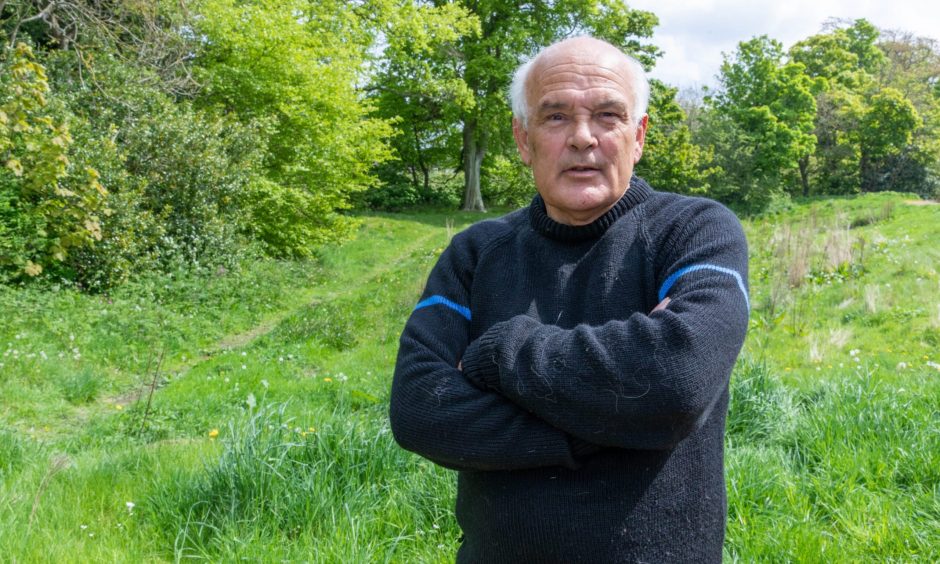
(804, 174)
(473, 151)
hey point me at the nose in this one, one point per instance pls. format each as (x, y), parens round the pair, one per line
(581, 136)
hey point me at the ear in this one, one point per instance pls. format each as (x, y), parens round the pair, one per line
(640, 138)
(521, 136)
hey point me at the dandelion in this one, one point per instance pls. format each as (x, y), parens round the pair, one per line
(213, 433)
(327, 379)
(118, 407)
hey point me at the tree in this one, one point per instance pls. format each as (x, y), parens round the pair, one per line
(417, 85)
(875, 122)
(295, 65)
(670, 160)
(47, 207)
(763, 122)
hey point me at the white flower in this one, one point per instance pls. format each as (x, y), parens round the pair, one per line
(130, 506)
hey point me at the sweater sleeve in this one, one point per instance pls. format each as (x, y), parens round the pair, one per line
(436, 412)
(647, 381)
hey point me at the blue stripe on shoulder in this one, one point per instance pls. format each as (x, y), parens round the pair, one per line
(667, 285)
(441, 300)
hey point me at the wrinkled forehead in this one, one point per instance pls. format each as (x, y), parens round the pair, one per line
(578, 69)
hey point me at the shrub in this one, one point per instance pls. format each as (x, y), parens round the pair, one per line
(48, 205)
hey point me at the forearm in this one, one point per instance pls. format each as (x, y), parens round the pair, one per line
(642, 383)
(438, 414)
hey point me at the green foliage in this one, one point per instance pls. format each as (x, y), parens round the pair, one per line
(47, 206)
(671, 161)
(873, 121)
(297, 65)
(763, 123)
(507, 182)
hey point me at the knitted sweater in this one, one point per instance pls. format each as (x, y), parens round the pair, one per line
(584, 427)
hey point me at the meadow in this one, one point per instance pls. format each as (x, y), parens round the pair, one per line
(242, 415)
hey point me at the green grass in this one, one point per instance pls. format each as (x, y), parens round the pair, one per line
(243, 415)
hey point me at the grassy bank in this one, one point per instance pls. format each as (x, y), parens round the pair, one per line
(233, 415)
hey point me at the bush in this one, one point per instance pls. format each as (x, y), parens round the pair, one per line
(506, 182)
(48, 205)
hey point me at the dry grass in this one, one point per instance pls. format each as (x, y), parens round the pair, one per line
(840, 337)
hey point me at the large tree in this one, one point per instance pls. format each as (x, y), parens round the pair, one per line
(294, 67)
(763, 122)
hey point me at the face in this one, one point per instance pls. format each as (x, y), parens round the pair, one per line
(581, 140)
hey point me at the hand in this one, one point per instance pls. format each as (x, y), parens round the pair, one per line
(661, 305)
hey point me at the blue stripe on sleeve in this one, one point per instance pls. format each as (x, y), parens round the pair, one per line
(441, 300)
(667, 285)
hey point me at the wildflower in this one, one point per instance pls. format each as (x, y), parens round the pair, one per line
(327, 379)
(901, 365)
(83, 527)
(265, 384)
(312, 430)
(244, 367)
(213, 433)
(130, 506)
(118, 407)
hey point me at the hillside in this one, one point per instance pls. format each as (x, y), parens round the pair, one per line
(227, 415)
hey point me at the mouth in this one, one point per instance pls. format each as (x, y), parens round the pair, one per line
(580, 169)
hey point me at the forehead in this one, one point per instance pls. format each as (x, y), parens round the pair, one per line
(569, 77)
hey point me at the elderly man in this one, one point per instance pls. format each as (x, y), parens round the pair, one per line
(571, 359)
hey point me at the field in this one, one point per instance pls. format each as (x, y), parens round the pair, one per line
(242, 415)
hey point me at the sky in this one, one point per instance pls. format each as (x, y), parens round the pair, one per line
(693, 34)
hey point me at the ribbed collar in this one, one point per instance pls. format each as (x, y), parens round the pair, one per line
(638, 192)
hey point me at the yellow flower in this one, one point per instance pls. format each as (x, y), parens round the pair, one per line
(330, 379)
(213, 433)
(118, 407)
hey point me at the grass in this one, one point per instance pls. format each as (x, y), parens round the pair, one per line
(243, 415)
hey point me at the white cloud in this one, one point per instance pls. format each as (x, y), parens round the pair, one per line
(694, 34)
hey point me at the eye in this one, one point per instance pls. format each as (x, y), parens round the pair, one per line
(609, 116)
(555, 117)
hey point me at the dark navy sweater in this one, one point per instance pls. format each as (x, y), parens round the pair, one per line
(584, 428)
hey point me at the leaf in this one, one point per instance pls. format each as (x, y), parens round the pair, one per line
(15, 166)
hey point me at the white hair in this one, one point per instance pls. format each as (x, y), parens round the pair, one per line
(520, 106)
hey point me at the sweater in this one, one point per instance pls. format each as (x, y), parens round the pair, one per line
(583, 427)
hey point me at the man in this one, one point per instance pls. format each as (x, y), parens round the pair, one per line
(571, 359)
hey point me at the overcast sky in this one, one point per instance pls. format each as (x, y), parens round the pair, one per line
(694, 33)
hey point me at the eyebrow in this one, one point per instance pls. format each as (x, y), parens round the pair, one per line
(603, 105)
